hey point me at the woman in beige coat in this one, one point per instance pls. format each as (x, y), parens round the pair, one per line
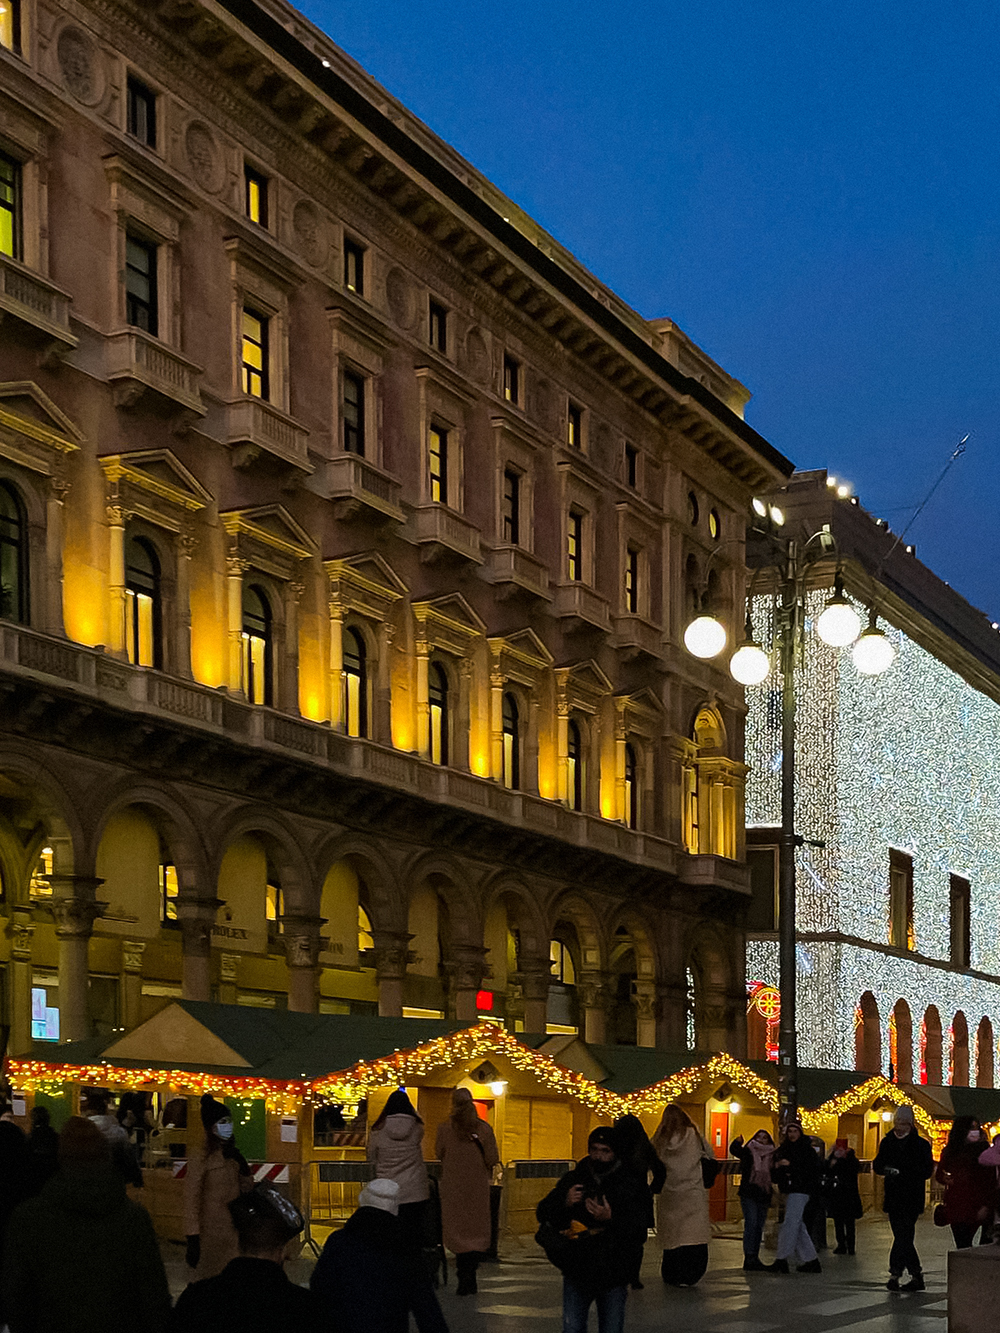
(468, 1153)
(217, 1173)
(682, 1226)
(395, 1148)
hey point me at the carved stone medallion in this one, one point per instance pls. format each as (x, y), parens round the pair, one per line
(203, 157)
(310, 234)
(400, 298)
(477, 357)
(80, 66)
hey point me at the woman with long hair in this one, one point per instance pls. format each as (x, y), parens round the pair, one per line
(682, 1225)
(467, 1150)
(217, 1173)
(796, 1170)
(640, 1159)
(395, 1147)
(755, 1192)
(970, 1187)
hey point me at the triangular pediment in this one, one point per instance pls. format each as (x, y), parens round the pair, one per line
(454, 608)
(527, 642)
(642, 701)
(160, 472)
(272, 524)
(587, 675)
(24, 401)
(175, 1037)
(370, 568)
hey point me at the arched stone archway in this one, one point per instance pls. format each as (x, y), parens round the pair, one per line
(984, 1054)
(868, 1036)
(930, 1047)
(519, 954)
(462, 952)
(901, 1043)
(576, 925)
(959, 1051)
(634, 972)
(711, 994)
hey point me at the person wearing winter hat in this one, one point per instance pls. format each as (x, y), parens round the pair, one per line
(368, 1276)
(253, 1293)
(80, 1256)
(467, 1150)
(840, 1189)
(217, 1173)
(906, 1162)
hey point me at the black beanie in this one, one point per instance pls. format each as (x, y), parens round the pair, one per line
(606, 1135)
(212, 1111)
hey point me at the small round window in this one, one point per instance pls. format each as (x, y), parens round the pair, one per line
(714, 526)
(692, 508)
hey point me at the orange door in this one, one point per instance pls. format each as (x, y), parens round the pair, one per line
(719, 1139)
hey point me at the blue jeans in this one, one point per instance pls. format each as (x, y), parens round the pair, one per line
(793, 1237)
(754, 1218)
(577, 1303)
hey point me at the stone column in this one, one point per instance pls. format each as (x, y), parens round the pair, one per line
(423, 651)
(671, 1018)
(58, 486)
(75, 908)
(21, 929)
(496, 723)
(392, 953)
(181, 656)
(467, 970)
(592, 992)
(534, 981)
(382, 721)
(462, 728)
(131, 983)
(197, 917)
(645, 1018)
(228, 967)
(287, 693)
(116, 516)
(336, 664)
(235, 569)
(301, 935)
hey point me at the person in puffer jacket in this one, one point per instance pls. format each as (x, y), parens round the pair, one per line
(395, 1148)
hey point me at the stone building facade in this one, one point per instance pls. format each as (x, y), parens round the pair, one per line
(347, 531)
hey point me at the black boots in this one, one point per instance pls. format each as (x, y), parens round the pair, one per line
(465, 1268)
(751, 1264)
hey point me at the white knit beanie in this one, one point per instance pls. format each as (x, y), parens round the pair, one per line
(382, 1194)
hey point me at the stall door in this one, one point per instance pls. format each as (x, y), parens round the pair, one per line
(719, 1140)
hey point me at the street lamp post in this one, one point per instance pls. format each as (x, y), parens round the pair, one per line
(839, 626)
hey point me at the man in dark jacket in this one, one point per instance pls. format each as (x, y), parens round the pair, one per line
(368, 1276)
(591, 1224)
(906, 1162)
(253, 1293)
(81, 1257)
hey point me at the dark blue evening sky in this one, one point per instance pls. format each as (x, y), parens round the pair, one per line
(810, 190)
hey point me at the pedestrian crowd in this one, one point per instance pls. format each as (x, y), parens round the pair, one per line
(76, 1252)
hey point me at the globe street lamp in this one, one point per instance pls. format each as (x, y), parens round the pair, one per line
(839, 626)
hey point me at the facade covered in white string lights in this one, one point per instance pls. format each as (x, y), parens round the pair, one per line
(899, 951)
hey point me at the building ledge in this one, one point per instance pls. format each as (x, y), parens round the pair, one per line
(443, 534)
(636, 637)
(255, 427)
(713, 872)
(138, 364)
(359, 489)
(513, 570)
(36, 302)
(581, 608)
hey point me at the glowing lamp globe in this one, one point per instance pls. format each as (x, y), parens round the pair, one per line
(839, 624)
(873, 653)
(705, 637)
(749, 665)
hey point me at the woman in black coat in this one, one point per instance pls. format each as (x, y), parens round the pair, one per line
(641, 1160)
(843, 1199)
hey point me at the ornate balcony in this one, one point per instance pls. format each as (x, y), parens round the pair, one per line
(255, 427)
(36, 302)
(636, 637)
(358, 489)
(441, 534)
(581, 608)
(138, 364)
(514, 571)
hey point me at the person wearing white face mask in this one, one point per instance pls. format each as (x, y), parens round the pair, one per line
(970, 1186)
(216, 1176)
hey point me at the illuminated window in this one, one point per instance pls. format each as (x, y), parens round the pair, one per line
(961, 921)
(574, 427)
(511, 775)
(438, 695)
(563, 971)
(574, 761)
(355, 684)
(142, 604)
(168, 893)
(353, 411)
(632, 580)
(511, 507)
(631, 466)
(13, 556)
(511, 380)
(257, 668)
(354, 267)
(10, 202)
(10, 25)
(631, 789)
(254, 357)
(439, 465)
(714, 525)
(438, 327)
(366, 939)
(255, 195)
(274, 905)
(140, 285)
(140, 111)
(43, 871)
(574, 546)
(901, 931)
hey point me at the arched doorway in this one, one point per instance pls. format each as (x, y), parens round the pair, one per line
(901, 1043)
(930, 1047)
(984, 1054)
(868, 1036)
(959, 1051)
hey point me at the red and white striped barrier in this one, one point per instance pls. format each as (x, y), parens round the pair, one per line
(275, 1173)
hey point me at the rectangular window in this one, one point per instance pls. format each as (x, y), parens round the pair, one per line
(255, 682)
(354, 414)
(901, 932)
(438, 327)
(354, 267)
(439, 465)
(10, 205)
(511, 380)
(140, 634)
(10, 25)
(631, 466)
(168, 893)
(961, 921)
(511, 507)
(574, 427)
(140, 110)
(574, 546)
(255, 197)
(632, 580)
(254, 354)
(140, 285)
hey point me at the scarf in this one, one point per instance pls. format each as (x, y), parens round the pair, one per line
(761, 1173)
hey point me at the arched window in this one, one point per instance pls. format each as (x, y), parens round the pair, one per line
(574, 766)
(631, 789)
(274, 905)
(13, 556)
(563, 970)
(257, 646)
(438, 695)
(355, 684)
(366, 940)
(511, 743)
(142, 604)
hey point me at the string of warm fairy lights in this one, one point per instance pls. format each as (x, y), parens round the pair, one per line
(859, 1097)
(686, 1081)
